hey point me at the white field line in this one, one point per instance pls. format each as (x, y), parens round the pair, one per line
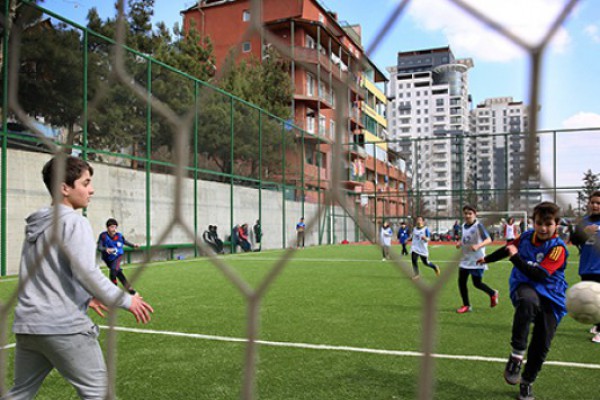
(238, 258)
(341, 348)
(8, 346)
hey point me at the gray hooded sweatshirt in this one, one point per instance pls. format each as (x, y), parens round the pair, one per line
(58, 275)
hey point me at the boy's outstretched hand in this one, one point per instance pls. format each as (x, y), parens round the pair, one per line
(140, 309)
(97, 306)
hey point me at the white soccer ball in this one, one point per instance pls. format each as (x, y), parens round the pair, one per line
(583, 302)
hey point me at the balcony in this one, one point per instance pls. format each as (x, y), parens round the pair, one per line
(356, 150)
(315, 57)
(312, 100)
(351, 179)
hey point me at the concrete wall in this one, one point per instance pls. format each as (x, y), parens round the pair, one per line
(121, 193)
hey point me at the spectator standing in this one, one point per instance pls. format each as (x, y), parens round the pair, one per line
(300, 227)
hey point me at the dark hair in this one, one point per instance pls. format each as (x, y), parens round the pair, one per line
(111, 221)
(470, 208)
(595, 193)
(74, 168)
(547, 210)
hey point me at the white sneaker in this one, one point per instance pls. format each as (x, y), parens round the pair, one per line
(383, 259)
(596, 338)
(594, 330)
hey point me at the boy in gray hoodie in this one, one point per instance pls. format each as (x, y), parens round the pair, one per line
(58, 281)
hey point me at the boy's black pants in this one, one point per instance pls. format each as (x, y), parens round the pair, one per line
(531, 308)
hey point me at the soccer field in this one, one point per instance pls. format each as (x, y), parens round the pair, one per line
(338, 323)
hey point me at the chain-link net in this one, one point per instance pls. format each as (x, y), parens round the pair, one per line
(134, 120)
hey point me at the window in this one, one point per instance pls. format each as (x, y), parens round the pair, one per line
(332, 128)
(246, 15)
(310, 120)
(310, 84)
(310, 42)
(322, 90)
(246, 47)
(322, 124)
(321, 18)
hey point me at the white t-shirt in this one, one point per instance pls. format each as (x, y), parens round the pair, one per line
(386, 236)
(471, 235)
(419, 245)
(510, 231)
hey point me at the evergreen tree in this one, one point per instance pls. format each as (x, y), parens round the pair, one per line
(590, 184)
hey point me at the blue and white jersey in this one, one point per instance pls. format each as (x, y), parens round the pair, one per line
(472, 235)
(386, 236)
(105, 242)
(589, 263)
(554, 287)
(419, 244)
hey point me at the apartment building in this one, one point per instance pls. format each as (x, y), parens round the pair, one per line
(428, 115)
(326, 57)
(499, 155)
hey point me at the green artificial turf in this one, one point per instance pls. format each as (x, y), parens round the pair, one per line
(336, 296)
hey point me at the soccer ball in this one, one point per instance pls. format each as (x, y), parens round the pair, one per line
(583, 302)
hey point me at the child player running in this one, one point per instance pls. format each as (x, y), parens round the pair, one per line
(110, 245)
(537, 291)
(473, 241)
(420, 249)
(403, 236)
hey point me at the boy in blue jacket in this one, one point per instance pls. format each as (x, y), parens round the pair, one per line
(403, 236)
(537, 291)
(587, 238)
(110, 245)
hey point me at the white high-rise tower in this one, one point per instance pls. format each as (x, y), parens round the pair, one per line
(428, 115)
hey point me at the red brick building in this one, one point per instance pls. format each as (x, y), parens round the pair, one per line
(325, 54)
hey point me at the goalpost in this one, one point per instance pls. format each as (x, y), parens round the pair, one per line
(518, 215)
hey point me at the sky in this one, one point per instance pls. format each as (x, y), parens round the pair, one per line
(570, 71)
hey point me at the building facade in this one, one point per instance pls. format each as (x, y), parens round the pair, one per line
(499, 155)
(428, 115)
(327, 63)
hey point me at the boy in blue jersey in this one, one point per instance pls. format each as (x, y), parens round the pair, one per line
(472, 243)
(403, 235)
(110, 245)
(587, 238)
(537, 291)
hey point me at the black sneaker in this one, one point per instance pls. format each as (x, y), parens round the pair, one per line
(512, 371)
(526, 391)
